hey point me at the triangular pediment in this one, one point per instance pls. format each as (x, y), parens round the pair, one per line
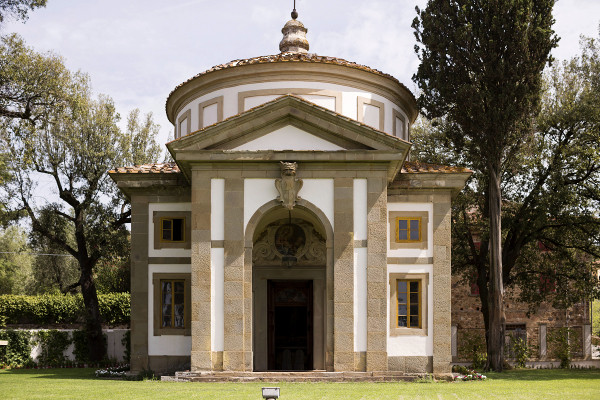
(293, 128)
(288, 137)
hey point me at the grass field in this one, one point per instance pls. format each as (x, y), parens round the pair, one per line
(81, 384)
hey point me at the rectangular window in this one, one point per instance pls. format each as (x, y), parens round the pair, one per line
(172, 303)
(408, 229)
(547, 283)
(474, 285)
(173, 229)
(408, 302)
(513, 333)
(172, 299)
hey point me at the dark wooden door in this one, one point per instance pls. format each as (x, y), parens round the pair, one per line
(290, 325)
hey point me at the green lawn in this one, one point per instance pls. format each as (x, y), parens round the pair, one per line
(81, 384)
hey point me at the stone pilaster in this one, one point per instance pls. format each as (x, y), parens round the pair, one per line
(442, 302)
(343, 276)
(377, 274)
(234, 293)
(139, 283)
(201, 357)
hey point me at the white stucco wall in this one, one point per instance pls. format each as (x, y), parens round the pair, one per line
(360, 209)
(165, 345)
(152, 252)
(428, 252)
(407, 345)
(115, 349)
(217, 264)
(256, 193)
(217, 295)
(289, 138)
(259, 191)
(349, 99)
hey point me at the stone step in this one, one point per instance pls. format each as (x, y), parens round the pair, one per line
(303, 376)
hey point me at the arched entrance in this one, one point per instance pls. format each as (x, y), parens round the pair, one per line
(290, 255)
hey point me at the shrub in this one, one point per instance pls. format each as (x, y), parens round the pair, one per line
(561, 347)
(115, 308)
(520, 350)
(81, 349)
(126, 341)
(18, 351)
(53, 343)
(473, 347)
(65, 309)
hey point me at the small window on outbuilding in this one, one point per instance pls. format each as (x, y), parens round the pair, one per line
(473, 283)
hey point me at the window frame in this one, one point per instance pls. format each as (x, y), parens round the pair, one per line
(394, 216)
(157, 279)
(159, 216)
(423, 279)
(408, 303)
(408, 230)
(162, 230)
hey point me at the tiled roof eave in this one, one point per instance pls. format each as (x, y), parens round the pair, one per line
(286, 58)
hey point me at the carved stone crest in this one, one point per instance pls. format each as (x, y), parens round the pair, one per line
(289, 238)
(288, 185)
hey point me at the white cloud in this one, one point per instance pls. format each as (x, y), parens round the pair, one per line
(137, 51)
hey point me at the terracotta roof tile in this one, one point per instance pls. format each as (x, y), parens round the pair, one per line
(291, 57)
(409, 167)
(416, 167)
(164, 168)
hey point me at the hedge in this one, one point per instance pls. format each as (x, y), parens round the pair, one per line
(62, 309)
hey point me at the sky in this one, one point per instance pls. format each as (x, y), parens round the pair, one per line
(137, 51)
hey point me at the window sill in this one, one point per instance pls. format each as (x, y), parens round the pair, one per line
(408, 332)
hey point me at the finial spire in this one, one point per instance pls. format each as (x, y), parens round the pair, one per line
(294, 35)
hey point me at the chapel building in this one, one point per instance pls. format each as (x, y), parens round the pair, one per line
(291, 232)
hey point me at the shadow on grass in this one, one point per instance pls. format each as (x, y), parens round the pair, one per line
(54, 373)
(545, 374)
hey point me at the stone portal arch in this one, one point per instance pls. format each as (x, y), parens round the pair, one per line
(314, 265)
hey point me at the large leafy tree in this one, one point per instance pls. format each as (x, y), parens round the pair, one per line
(15, 261)
(18, 9)
(481, 67)
(31, 83)
(551, 194)
(58, 174)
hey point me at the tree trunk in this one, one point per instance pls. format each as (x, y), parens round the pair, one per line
(93, 325)
(495, 331)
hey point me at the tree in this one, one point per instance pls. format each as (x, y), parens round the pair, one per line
(551, 194)
(140, 139)
(15, 261)
(481, 67)
(53, 269)
(18, 8)
(31, 83)
(71, 149)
